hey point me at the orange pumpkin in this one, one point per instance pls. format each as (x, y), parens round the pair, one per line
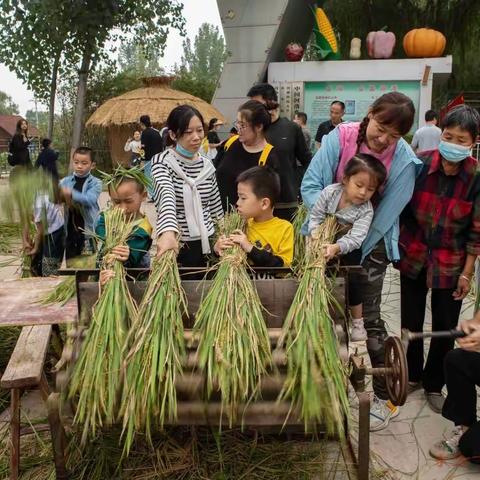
(424, 42)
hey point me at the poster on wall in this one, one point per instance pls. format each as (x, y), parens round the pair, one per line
(357, 96)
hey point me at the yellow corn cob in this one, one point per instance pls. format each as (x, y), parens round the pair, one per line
(325, 28)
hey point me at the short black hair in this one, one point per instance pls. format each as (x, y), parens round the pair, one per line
(464, 117)
(46, 142)
(363, 162)
(212, 123)
(264, 181)
(338, 102)
(430, 115)
(264, 90)
(140, 186)
(145, 119)
(84, 151)
(179, 119)
(303, 116)
(233, 130)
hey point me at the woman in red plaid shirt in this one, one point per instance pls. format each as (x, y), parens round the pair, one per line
(439, 242)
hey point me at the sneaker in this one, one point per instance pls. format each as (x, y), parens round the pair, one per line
(381, 412)
(414, 386)
(435, 401)
(448, 449)
(358, 333)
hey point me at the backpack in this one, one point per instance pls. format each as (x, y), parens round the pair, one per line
(262, 161)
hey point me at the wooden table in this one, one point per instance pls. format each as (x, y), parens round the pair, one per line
(19, 303)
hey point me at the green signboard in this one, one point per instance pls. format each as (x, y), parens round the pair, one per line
(357, 96)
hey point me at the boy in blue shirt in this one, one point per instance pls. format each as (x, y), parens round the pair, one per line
(80, 191)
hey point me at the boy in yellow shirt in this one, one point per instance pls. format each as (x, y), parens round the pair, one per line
(268, 240)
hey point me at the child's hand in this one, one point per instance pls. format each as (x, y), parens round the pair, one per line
(222, 244)
(66, 193)
(241, 239)
(331, 250)
(31, 251)
(122, 252)
(105, 276)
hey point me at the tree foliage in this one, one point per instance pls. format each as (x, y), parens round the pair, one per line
(202, 63)
(132, 58)
(7, 105)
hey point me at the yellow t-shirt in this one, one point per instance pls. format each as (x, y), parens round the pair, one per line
(274, 236)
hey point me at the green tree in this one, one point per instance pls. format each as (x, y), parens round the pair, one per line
(36, 46)
(7, 105)
(132, 58)
(202, 63)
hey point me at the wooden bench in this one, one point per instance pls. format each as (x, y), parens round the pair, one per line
(25, 371)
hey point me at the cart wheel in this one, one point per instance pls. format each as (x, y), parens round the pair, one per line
(397, 378)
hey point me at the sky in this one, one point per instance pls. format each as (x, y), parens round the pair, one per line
(196, 12)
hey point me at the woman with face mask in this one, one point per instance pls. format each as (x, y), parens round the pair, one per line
(186, 193)
(439, 242)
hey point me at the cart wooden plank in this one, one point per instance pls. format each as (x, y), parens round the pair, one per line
(19, 300)
(25, 366)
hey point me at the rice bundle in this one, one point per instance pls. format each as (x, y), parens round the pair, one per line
(96, 377)
(156, 353)
(299, 239)
(9, 232)
(25, 186)
(234, 346)
(66, 289)
(316, 377)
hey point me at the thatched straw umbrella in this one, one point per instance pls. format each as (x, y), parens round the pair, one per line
(120, 115)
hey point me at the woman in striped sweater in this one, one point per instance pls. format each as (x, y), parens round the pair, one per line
(186, 192)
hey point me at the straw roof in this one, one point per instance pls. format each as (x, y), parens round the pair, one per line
(156, 99)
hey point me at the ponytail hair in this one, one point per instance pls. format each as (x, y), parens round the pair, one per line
(393, 109)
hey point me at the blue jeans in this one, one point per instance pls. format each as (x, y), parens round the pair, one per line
(147, 169)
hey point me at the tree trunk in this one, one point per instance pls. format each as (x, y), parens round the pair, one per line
(53, 92)
(80, 106)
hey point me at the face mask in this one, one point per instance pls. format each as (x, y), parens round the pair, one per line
(183, 151)
(82, 176)
(453, 152)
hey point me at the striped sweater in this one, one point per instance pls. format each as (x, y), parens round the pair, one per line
(169, 195)
(359, 216)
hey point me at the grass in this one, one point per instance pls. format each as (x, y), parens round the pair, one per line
(156, 353)
(299, 239)
(234, 347)
(96, 378)
(316, 378)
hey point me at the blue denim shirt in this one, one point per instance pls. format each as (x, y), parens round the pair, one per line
(87, 199)
(397, 193)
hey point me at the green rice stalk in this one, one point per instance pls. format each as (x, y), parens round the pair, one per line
(316, 378)
(234, 347)
(66, 289)
(120, 173)
(96, 378)
(156, 353)
(9, 234)
(299, 239)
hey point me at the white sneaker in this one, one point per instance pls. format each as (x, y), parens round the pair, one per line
(358, 332)
(448, 449)
(381, 412)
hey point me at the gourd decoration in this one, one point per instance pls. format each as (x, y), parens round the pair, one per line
(380, 44)
(424, 43)
(355, 48)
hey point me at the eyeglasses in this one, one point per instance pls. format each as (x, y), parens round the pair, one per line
(240, 125)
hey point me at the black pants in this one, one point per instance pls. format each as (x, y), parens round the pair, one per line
(354, 277)
(191, 255)
(462, 373)
(371, 284)
(445, 313)
(52, 252)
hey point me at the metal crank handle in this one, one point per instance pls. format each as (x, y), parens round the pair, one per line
(409, 336)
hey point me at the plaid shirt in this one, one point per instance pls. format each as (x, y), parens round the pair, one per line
(441, 224)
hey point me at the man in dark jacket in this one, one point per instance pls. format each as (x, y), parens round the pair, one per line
(47, 159)
(287, 138)
(152, 144)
